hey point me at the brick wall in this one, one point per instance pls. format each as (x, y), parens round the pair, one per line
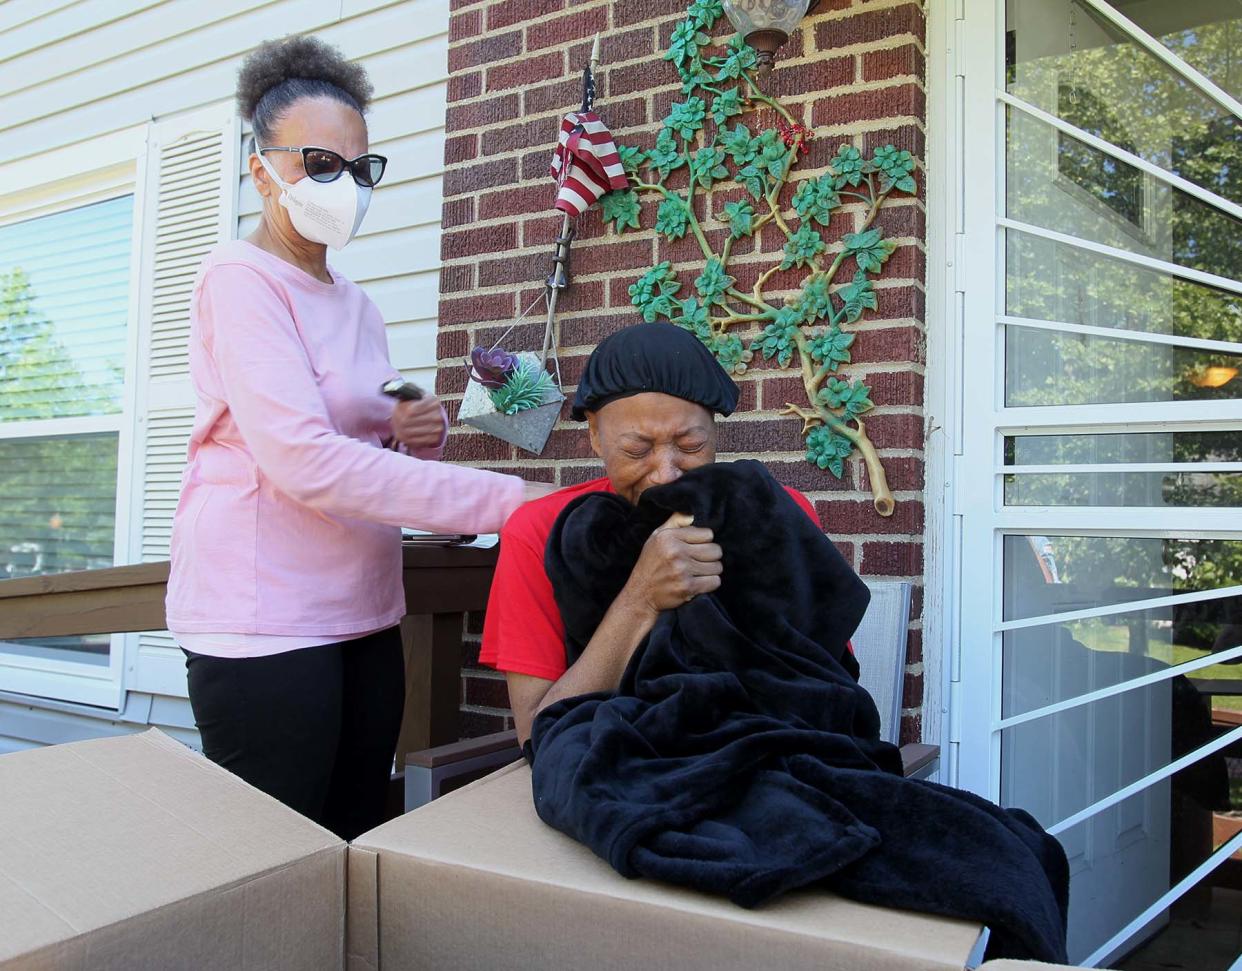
(855, 71)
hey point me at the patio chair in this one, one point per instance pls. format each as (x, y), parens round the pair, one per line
(879, 643)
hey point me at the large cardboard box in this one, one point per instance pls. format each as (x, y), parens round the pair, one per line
(475, 880)
(135, 852)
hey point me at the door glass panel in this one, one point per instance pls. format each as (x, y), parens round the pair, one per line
(1044, 367)
(1056, 182)
(1206, 34)
(1147, 489)
(1066, 60)
(1049, 574)
(1123, 447)
(1047, 280)
(1126, 857)
(1055, 662)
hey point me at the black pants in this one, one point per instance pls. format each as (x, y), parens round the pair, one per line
(316, 728)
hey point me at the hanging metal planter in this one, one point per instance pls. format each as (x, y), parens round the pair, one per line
(529, 427)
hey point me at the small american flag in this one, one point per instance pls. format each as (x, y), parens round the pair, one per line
(585, 163)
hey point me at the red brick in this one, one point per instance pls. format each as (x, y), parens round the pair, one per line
(904, 473)
(892, 559)
(460, 148)
(474, 309)
(527, 70)
(568, 443)
(908, 137)
(516, 269)
(473, 724)
(456, 279)
(777, 392)
(482, 239)
(520, 135)
(486, 50)
(511, 202)
(451, 343)
(848, 517)
(764, 435)
(465, 85)
(487, 692)
(821, 74)
(855, 106)
(480, 176)
(510, 12)
(584, 298)
(914, 647)
(560, 96)
(626, 12)
(465, 25)
(481, 114)
(912, 691)
(895, 431)
(805, 477)
(896, 387)
(911, 727)
(457, 212)
(894, 302)
(577, 474)
(471, 446)
(527, 336)
(848, 551)
(574, 26)
(462, 4)
(870, 26)
(627, 45)
(894, 62)
(897, 221)
(451, 380)
(888, 344)
(611, 255)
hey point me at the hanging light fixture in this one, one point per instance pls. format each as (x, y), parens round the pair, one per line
(1215, 376)
(766, 24)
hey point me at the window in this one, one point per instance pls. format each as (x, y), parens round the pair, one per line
(65, 283)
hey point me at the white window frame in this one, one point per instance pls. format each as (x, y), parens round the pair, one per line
(41, 185)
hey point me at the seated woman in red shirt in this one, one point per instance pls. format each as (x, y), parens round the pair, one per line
(649, 394)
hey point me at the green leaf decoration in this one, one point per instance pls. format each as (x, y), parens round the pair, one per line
(621, 207)
(828, 450)
(730, 352)
(857, 296)
(869, 249)
(707, 166)
(852, 399)
(739, 145)
(713, 282)
(779, 338)
(896, 168)
(831, 349)
(751, 178)
(694, 317)
(726, 106)
(632, 157)
(813, 302)
(687, 117)
(705, 13)
(526, 387)
(802, 247)
(741, 58)
(847, 166)
(666, 156)
(653, 293)
(815, 199)
(772, 153)
(672, 219)
(694, 75)
(685, 42)
(740, 216)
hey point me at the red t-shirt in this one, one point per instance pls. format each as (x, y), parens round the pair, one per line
(522, 631)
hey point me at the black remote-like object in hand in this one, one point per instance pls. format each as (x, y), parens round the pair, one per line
(401, 389)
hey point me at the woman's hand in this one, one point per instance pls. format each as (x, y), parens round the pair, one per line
(679, 561)
(419, 424)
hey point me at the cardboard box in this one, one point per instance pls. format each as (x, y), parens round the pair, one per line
(134, 852)
(475, 880)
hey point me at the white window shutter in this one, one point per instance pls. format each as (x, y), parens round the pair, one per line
(190, 205)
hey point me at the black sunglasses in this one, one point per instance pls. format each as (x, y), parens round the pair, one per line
(325, 165)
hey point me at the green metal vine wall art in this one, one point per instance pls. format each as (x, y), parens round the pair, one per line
(805, 330)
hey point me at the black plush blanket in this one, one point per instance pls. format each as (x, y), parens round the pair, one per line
(741, 756)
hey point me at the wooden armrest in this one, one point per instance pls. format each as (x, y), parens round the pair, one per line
(469, 748)
(916, 756)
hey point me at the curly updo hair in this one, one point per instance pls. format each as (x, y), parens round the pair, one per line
(278, 73)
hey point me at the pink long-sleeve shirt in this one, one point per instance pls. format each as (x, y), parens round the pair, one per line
(288, 521)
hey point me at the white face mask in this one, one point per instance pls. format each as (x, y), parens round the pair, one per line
(323, 212)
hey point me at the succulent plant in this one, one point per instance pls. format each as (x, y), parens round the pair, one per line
(492, 368)
(527, 386)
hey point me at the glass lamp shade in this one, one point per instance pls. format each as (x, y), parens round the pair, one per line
(766, 24)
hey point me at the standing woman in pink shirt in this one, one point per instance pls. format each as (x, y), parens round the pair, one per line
(286, 590)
